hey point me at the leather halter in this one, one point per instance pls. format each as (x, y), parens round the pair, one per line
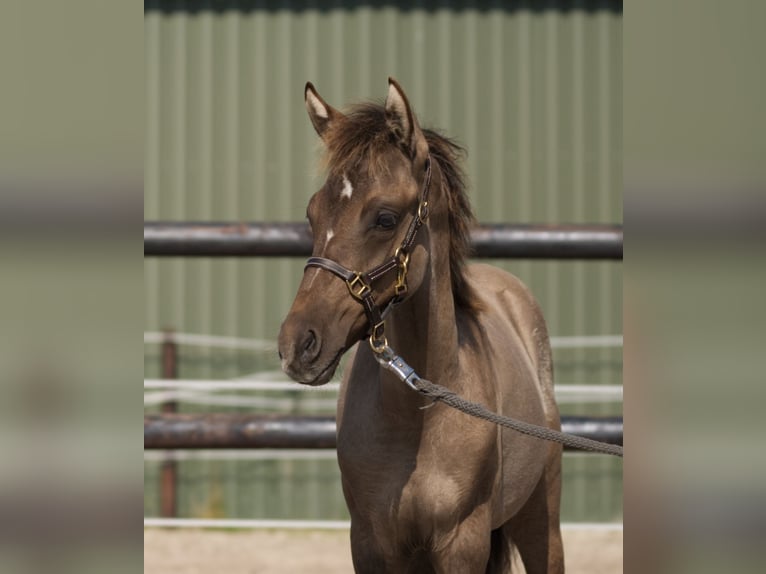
(360, 284)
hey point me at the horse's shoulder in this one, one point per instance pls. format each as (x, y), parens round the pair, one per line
(508, 304)
(492, 282)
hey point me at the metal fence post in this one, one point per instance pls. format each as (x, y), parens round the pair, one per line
(169, 470)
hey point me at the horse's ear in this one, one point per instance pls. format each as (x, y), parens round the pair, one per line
(320, 112)
(403, 123)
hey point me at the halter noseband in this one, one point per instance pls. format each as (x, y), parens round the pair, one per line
(360, 284)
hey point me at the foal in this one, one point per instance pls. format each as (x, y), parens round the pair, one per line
(429, 489)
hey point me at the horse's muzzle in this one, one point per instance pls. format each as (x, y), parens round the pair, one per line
(305, 357)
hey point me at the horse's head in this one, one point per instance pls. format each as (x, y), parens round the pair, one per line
(378, 166)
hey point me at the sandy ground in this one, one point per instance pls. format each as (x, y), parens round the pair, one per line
(321, 552)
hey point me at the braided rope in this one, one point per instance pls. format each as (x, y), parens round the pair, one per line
(439, 393)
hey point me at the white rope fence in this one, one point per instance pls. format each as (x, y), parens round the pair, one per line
(223, 342)
(264, 403)
(274, 454)
(195, 391)
(239, 454)
(213, 341)
(235, 385)
(316, 524)
(587, 341)
(202, 391)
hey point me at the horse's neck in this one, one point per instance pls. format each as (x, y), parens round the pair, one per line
(423, 330)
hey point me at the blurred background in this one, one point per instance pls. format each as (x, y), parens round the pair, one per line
(695, 217)
(87, 89)
(534, 93)
(71, 183)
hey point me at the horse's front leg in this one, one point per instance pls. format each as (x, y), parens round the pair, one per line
(366, 553)
(372, 554)
(467, 547)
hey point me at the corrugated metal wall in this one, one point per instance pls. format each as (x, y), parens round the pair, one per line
(533, 92)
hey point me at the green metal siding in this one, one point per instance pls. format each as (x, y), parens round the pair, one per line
(534, 94)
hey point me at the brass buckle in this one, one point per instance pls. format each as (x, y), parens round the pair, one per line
(357, 287)
(403, 260)
(423, 210)
(378, 341)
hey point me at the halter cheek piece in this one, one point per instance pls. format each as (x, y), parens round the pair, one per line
(360, 284)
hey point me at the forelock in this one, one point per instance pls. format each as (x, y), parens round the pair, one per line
(362, 141)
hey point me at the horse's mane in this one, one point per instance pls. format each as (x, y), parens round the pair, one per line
(366, 138)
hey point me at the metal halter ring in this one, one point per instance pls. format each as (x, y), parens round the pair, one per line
(378, 341)
(357, 286)
(423, 211)
(403, 260)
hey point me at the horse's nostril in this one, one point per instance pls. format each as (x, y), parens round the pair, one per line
(310, 347)
(310, 341)
(280, 354)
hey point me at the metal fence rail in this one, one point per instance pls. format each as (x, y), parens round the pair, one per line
(293, 239)
(178, 431)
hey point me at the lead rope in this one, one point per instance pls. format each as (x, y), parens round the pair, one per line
(407, 374)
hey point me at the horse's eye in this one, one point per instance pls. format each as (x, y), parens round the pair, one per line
(386, 221)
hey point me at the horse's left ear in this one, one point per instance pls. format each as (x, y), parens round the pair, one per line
(402, 122)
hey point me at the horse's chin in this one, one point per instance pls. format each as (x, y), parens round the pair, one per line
(325, 372)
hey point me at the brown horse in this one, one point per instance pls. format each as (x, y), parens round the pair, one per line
(429, 489)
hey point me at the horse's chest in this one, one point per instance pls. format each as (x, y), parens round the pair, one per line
(402, 482)
(440, 496)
